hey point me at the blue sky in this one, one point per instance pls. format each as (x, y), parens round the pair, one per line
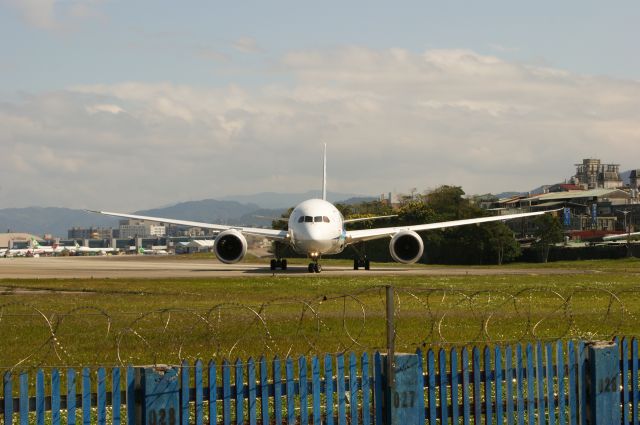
(249, 84)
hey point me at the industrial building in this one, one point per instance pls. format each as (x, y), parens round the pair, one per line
(592, 174)
(90, 233)
(592, 213)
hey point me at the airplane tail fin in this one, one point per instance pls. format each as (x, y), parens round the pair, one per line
(324, 174)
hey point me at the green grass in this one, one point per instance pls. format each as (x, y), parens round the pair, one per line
(140, 321)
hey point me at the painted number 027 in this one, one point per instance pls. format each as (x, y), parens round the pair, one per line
(160, 417)
(404, 399)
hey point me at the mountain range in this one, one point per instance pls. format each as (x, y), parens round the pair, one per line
(255, 210)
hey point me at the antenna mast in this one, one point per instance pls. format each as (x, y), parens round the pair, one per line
(324, 174)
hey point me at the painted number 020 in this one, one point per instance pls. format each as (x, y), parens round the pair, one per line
(159, 417)
(404, 399)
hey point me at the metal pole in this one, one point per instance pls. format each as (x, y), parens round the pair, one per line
(391, 337)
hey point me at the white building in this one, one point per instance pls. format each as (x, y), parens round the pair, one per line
(140, 229)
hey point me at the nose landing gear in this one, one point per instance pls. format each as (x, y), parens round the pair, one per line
(314, 268)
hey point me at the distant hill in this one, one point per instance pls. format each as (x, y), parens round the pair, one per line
(287, 200)
(56, 221)
(206, 210)
(356, 200)
(504, 195)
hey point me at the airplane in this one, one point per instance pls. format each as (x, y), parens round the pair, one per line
(87, 250)
(34, 249)
(316, 228)
(153, 251)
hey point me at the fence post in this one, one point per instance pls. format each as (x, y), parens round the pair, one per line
(602, 382)
(158, 399)
(400, 401)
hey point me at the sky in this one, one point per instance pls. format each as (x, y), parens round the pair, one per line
(125, 105)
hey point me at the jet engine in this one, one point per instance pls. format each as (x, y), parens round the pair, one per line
(230, 246)
(406, 247)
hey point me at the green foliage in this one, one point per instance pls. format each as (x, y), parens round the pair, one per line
(548, 231)
(283, 222)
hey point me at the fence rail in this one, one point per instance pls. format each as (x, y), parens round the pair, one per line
(532, 384)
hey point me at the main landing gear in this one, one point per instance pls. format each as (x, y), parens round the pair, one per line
(361, 259)
(279, 264)
(361, 262)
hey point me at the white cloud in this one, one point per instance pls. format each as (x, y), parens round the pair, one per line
(54, 14)
(393, 120)
(110, 108)
(246, 45)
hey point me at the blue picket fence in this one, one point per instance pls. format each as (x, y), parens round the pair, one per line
(532, 384)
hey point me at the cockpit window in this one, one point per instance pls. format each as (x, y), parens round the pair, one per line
(316, 219)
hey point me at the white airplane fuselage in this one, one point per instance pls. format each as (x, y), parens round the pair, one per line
(316, 227)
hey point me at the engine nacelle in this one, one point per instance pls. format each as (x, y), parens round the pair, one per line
(230, 246)
(406, 247)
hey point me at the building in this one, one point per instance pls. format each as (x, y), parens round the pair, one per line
(595, 210)
(17, 240)
(129, 229)
(634, 179)
(592, 174)
(76, 233)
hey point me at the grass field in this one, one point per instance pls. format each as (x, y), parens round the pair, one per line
(113, 321)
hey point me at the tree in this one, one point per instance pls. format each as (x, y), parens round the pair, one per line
(548, 231)
(502, 245)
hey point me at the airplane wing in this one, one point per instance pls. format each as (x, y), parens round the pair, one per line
(355, 236)
(355, 220)
(273, 234)
(622, 236)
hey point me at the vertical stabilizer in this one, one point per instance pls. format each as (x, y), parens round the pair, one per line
(324, 174)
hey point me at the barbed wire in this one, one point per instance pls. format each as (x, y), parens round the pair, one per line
(424, 317)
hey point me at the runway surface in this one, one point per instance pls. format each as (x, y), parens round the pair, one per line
(169, 267)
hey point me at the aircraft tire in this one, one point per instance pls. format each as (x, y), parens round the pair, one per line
(367, 264)
(283, 264)
(310, 268)
(273, 264)
(356, 264)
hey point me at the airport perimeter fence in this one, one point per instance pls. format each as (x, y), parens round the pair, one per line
(553, 383)
(85, 335)
(485, 356)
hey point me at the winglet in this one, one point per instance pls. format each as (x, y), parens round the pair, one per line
(324, 174)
